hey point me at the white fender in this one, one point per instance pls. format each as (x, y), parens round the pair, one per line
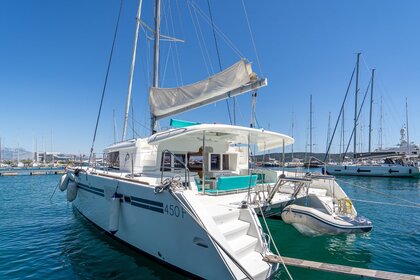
(64, 181)
(287, 215)
(71, 176)
(114, 213)
(71, 191)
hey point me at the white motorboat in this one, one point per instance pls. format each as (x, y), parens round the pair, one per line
(403, 147)
(313, 220)
(323, 211)
(313, 203)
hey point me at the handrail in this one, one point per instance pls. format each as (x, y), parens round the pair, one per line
(162, 167)
(320, 176)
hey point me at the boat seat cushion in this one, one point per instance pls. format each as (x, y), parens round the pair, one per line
(236, 182)
(230, 183)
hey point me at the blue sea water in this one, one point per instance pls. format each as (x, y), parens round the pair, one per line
(46, 239)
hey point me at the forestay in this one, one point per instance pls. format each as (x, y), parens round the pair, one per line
(234, 80)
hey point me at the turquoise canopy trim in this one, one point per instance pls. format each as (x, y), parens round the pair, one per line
(180, 123)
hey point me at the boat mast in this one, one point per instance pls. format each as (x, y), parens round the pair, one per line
(253, 104)
(341, 138)
(380, 128)
(328, 132)
(156, 59)
(133, 62)
(310, 127)
(406, 117)
(293, 127)
(355, 106)
(371, 105)
(36, 149)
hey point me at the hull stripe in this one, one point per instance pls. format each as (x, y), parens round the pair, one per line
(135, 201)
(91, 189)
(146, 201)
(148, 207)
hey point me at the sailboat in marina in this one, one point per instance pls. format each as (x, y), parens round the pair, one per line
(179, 195)
(389, 162)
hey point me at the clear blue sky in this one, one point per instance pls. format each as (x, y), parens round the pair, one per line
(54, 54)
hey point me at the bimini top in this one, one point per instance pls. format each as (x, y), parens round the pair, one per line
(263, 139)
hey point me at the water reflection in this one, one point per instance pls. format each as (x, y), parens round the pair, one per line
(93, 254)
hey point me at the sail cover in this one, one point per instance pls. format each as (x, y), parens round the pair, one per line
(169, 101)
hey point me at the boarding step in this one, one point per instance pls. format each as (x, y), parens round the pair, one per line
(243, 245)
(255, 265)
(227, 215)
(234, 229)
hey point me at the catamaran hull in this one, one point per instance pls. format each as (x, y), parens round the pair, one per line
(374, 171)
(310, 221)
(155, 224)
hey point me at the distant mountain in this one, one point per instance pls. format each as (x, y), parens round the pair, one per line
(13, 153)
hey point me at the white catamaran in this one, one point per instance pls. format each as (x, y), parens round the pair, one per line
(178, 195)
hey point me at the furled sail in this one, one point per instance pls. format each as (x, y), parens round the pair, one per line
(236, 79)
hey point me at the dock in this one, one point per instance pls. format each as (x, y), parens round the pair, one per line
(31, 172)
(343, 269)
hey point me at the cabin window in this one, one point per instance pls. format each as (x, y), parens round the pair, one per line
(172, 163)
(214, 162)
(219, 162)
(177, 164)
(114, 160)
(195, 162)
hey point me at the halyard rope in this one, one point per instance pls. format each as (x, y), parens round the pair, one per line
(106, 79)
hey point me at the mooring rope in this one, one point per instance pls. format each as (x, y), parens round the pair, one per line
(274, 243)
(56, 187)
(386, 203)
